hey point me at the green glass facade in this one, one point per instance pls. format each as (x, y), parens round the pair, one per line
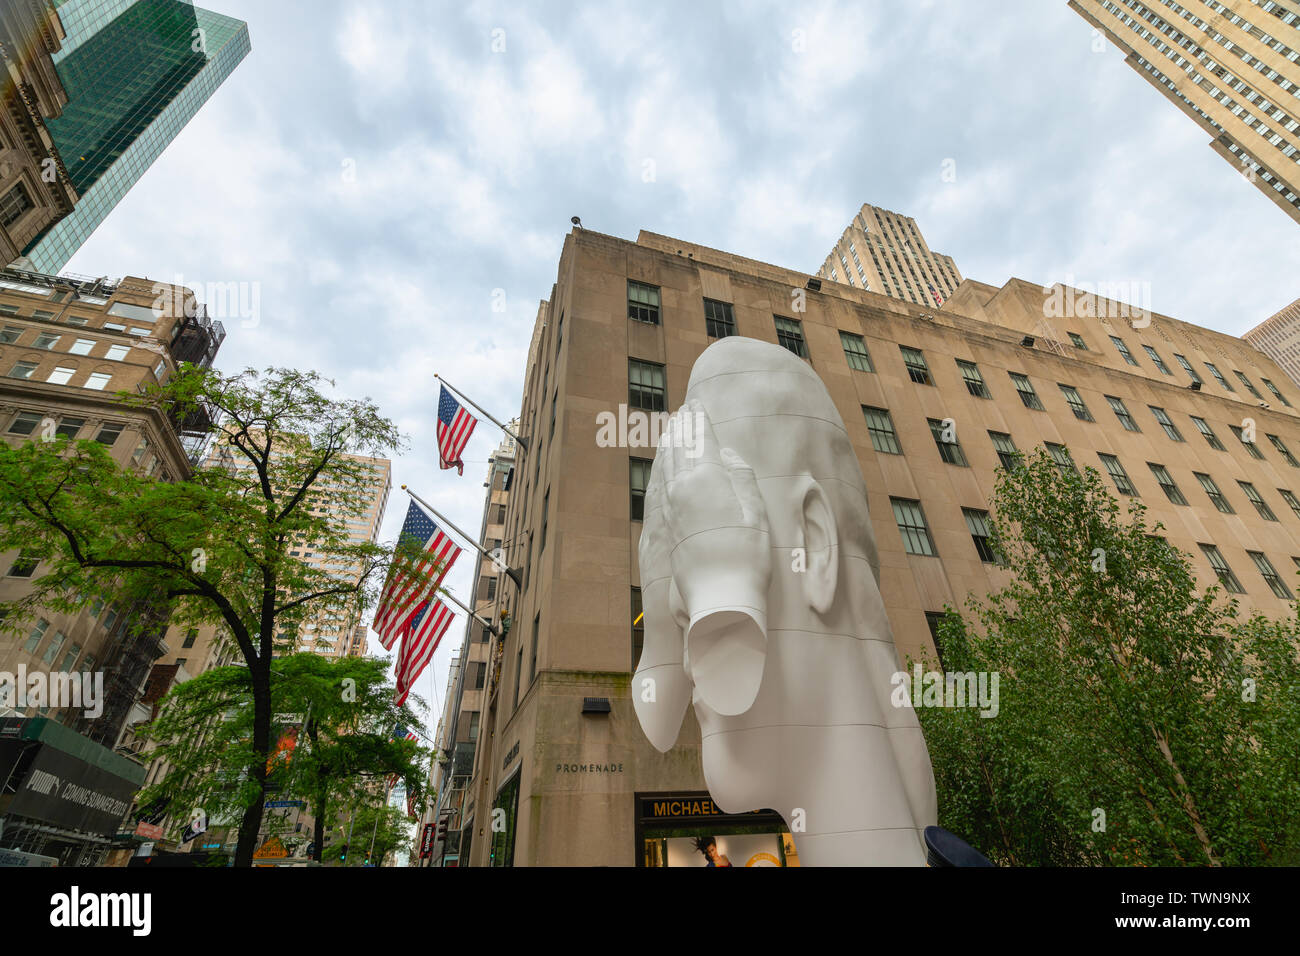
(136, 71)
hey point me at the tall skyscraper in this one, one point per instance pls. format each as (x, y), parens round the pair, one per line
(1232, 66)
(884, 252)
(134, 72)
(1278, 337)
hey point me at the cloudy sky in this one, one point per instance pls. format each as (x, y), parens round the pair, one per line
(374, 171)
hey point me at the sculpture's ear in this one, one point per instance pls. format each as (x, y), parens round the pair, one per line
(820, 540)
(660, 689)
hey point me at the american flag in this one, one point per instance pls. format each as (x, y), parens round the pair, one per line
(424, 632)
(455, 425)
(412, 579)
(399, 733)
(937, 300)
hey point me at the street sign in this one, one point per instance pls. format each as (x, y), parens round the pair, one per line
(272, 849)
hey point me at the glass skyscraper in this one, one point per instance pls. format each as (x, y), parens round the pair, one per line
(136, 71)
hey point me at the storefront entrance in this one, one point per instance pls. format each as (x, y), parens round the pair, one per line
(688, 829)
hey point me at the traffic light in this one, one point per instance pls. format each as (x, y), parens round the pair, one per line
(343, 853)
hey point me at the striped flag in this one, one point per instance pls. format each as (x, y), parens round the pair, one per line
(455, 425)
(424, 556)
(421, 637)
(399, 733)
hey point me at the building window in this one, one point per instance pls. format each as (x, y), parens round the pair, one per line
(532, 658)
(718, 319)
(46, 340)
(1276, 394)
(855, 350)
(190, 637)
(912, 526)
(1292, 502)
(480, 675)
(52, 649)
(789, 335)
(107, 434)
(646, 386)
(36, 635)
(97, 381)
(978, 523)
(1008, 453)
(555, 400)
(1260, 504)
(1187, 367)
(13, 204)
(1251, 447)
(118, 353)
(1270, 575)
(22, 370)
(81, 347)
(487, 588)
(1214, 494)
(61, 375)
(1219, 376)
(1204, 428)
(1061, 455)
(1221, 569)
(1123, 350)
(642, 303)
(1167, 484)
(1118, 474)
(24, 423)
(474, 715)
(917, 370)
(1170, 429)
(638, 628)
(1076, 403)
(1155, 357)
(881, 427)
(1025, 389)
(10, 334)
(1245, 381)
(24, 565)
(1122, 413)
(70, 659)
(640, 468)
(970, 374)
(546, 511)
(1077, 341)
(69, 427)
(949, 451)
(1284, 451)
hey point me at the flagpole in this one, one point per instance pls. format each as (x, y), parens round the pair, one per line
(522, 444)
(514, 574)
(486, 623)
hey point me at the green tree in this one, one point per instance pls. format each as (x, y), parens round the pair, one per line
(222, 545)
(378, 832)
(340, 714)
(1141, 720)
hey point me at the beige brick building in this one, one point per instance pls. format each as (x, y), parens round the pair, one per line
(1153, 402)
(882, 251)
(1278, 337)
(1232, 66)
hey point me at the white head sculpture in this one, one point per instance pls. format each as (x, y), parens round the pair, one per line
(758, 582)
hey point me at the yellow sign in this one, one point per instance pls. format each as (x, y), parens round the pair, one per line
(272, 849)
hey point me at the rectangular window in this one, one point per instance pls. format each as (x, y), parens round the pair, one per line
(24, 423)
(1118, 474)
(638, 628)
(24, 565)
(1123, 350)
(13, 204)
(81, 347)
(1261, 506)
(1025, 389)
(881, 427)
(1270, 575)
(646, 386)
(22, 370)
(1076, 403)
(480, 675)
(643, 302)
(1284, 451)
(1221, 569)
(1077, 341)
(52, 649)
(1204, 428)
(69, 427)
(78, 320)
(108, 434)
(1245, 381)
(978, 523)
(789, 335)
(718, 319)
(546, 513)
(970, 374)
(9, 334)
(1251, 447)
(36, 635)
(855, 350)
(118, 353)
(1214, 494)
(1218, 376)
(912, 526)
(1276, 394)
(640, 478)
(1061, 455)
(70, 659)
(45, 340)
(1170, 429)
(1187, 367)
(61, 375)
(1008, 453)
(532, 660)
(949, 450)
(1167, 484)
(1292, 502)
(190, 637)
(1155, 357)
(1122, 413)
(98, 381)
(917, 370)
